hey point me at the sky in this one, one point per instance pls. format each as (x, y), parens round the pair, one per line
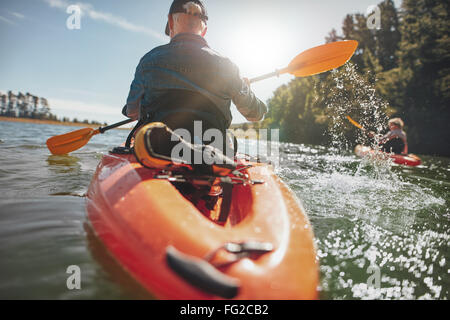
(86, 73)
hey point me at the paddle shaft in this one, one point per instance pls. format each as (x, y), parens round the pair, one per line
(276, 73)
(356, 124)
(115, 125)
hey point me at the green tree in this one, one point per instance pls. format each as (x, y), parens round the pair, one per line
(424, 74)
(408, 60)
(388, 37)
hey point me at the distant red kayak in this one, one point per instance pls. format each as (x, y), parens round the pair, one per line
(408, 160)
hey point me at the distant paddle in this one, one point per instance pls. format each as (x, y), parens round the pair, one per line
(310, 62)
(317, 60)
(74, 140)
(371, 134)
(356, 124)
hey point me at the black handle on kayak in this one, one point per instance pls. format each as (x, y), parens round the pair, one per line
(115, 125)
(201, 274)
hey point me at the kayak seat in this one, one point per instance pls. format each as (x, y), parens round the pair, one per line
(153, 149)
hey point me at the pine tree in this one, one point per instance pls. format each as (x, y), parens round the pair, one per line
(332, 36)
(388, 37)
(424, 62)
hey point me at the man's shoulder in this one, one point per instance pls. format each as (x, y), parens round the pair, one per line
(159, 51)
(218, 55)
(225, 61)
(154, 51)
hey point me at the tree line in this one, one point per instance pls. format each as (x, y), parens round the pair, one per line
(30, 106)
(24, 106)
(398, 70)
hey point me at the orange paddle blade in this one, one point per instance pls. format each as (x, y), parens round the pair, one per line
(322, 58)
(71, 141)
(356, 124)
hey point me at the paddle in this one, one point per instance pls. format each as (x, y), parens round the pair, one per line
(356, 124)
(310, 62)
(317, 60)
(74, 140)
(371, 134)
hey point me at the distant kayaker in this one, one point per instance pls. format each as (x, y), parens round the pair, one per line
(185, 80)
(395, 140)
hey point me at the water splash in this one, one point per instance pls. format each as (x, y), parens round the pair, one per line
(353, 95)
(364, 216)
(364, 212)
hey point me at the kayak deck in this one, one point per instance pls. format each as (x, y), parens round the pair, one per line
(140, 220)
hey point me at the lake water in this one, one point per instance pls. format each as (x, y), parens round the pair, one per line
(370, 221)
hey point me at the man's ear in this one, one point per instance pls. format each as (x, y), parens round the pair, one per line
(170, 19)
(204, 31)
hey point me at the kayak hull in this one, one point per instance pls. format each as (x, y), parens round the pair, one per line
(409, 160)
(138, 217)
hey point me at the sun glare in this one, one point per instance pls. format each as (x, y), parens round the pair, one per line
(259, 50)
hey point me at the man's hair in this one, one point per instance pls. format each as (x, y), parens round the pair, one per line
(397, 121)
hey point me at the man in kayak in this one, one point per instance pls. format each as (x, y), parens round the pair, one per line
(395, 140)
(186, 81)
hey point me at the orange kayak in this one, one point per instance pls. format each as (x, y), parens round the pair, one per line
(263, 249)
(409, 160)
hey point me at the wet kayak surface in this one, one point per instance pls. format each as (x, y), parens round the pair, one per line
(382, 231)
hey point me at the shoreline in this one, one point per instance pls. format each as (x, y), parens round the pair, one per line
(53, 122)
(95, 126)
